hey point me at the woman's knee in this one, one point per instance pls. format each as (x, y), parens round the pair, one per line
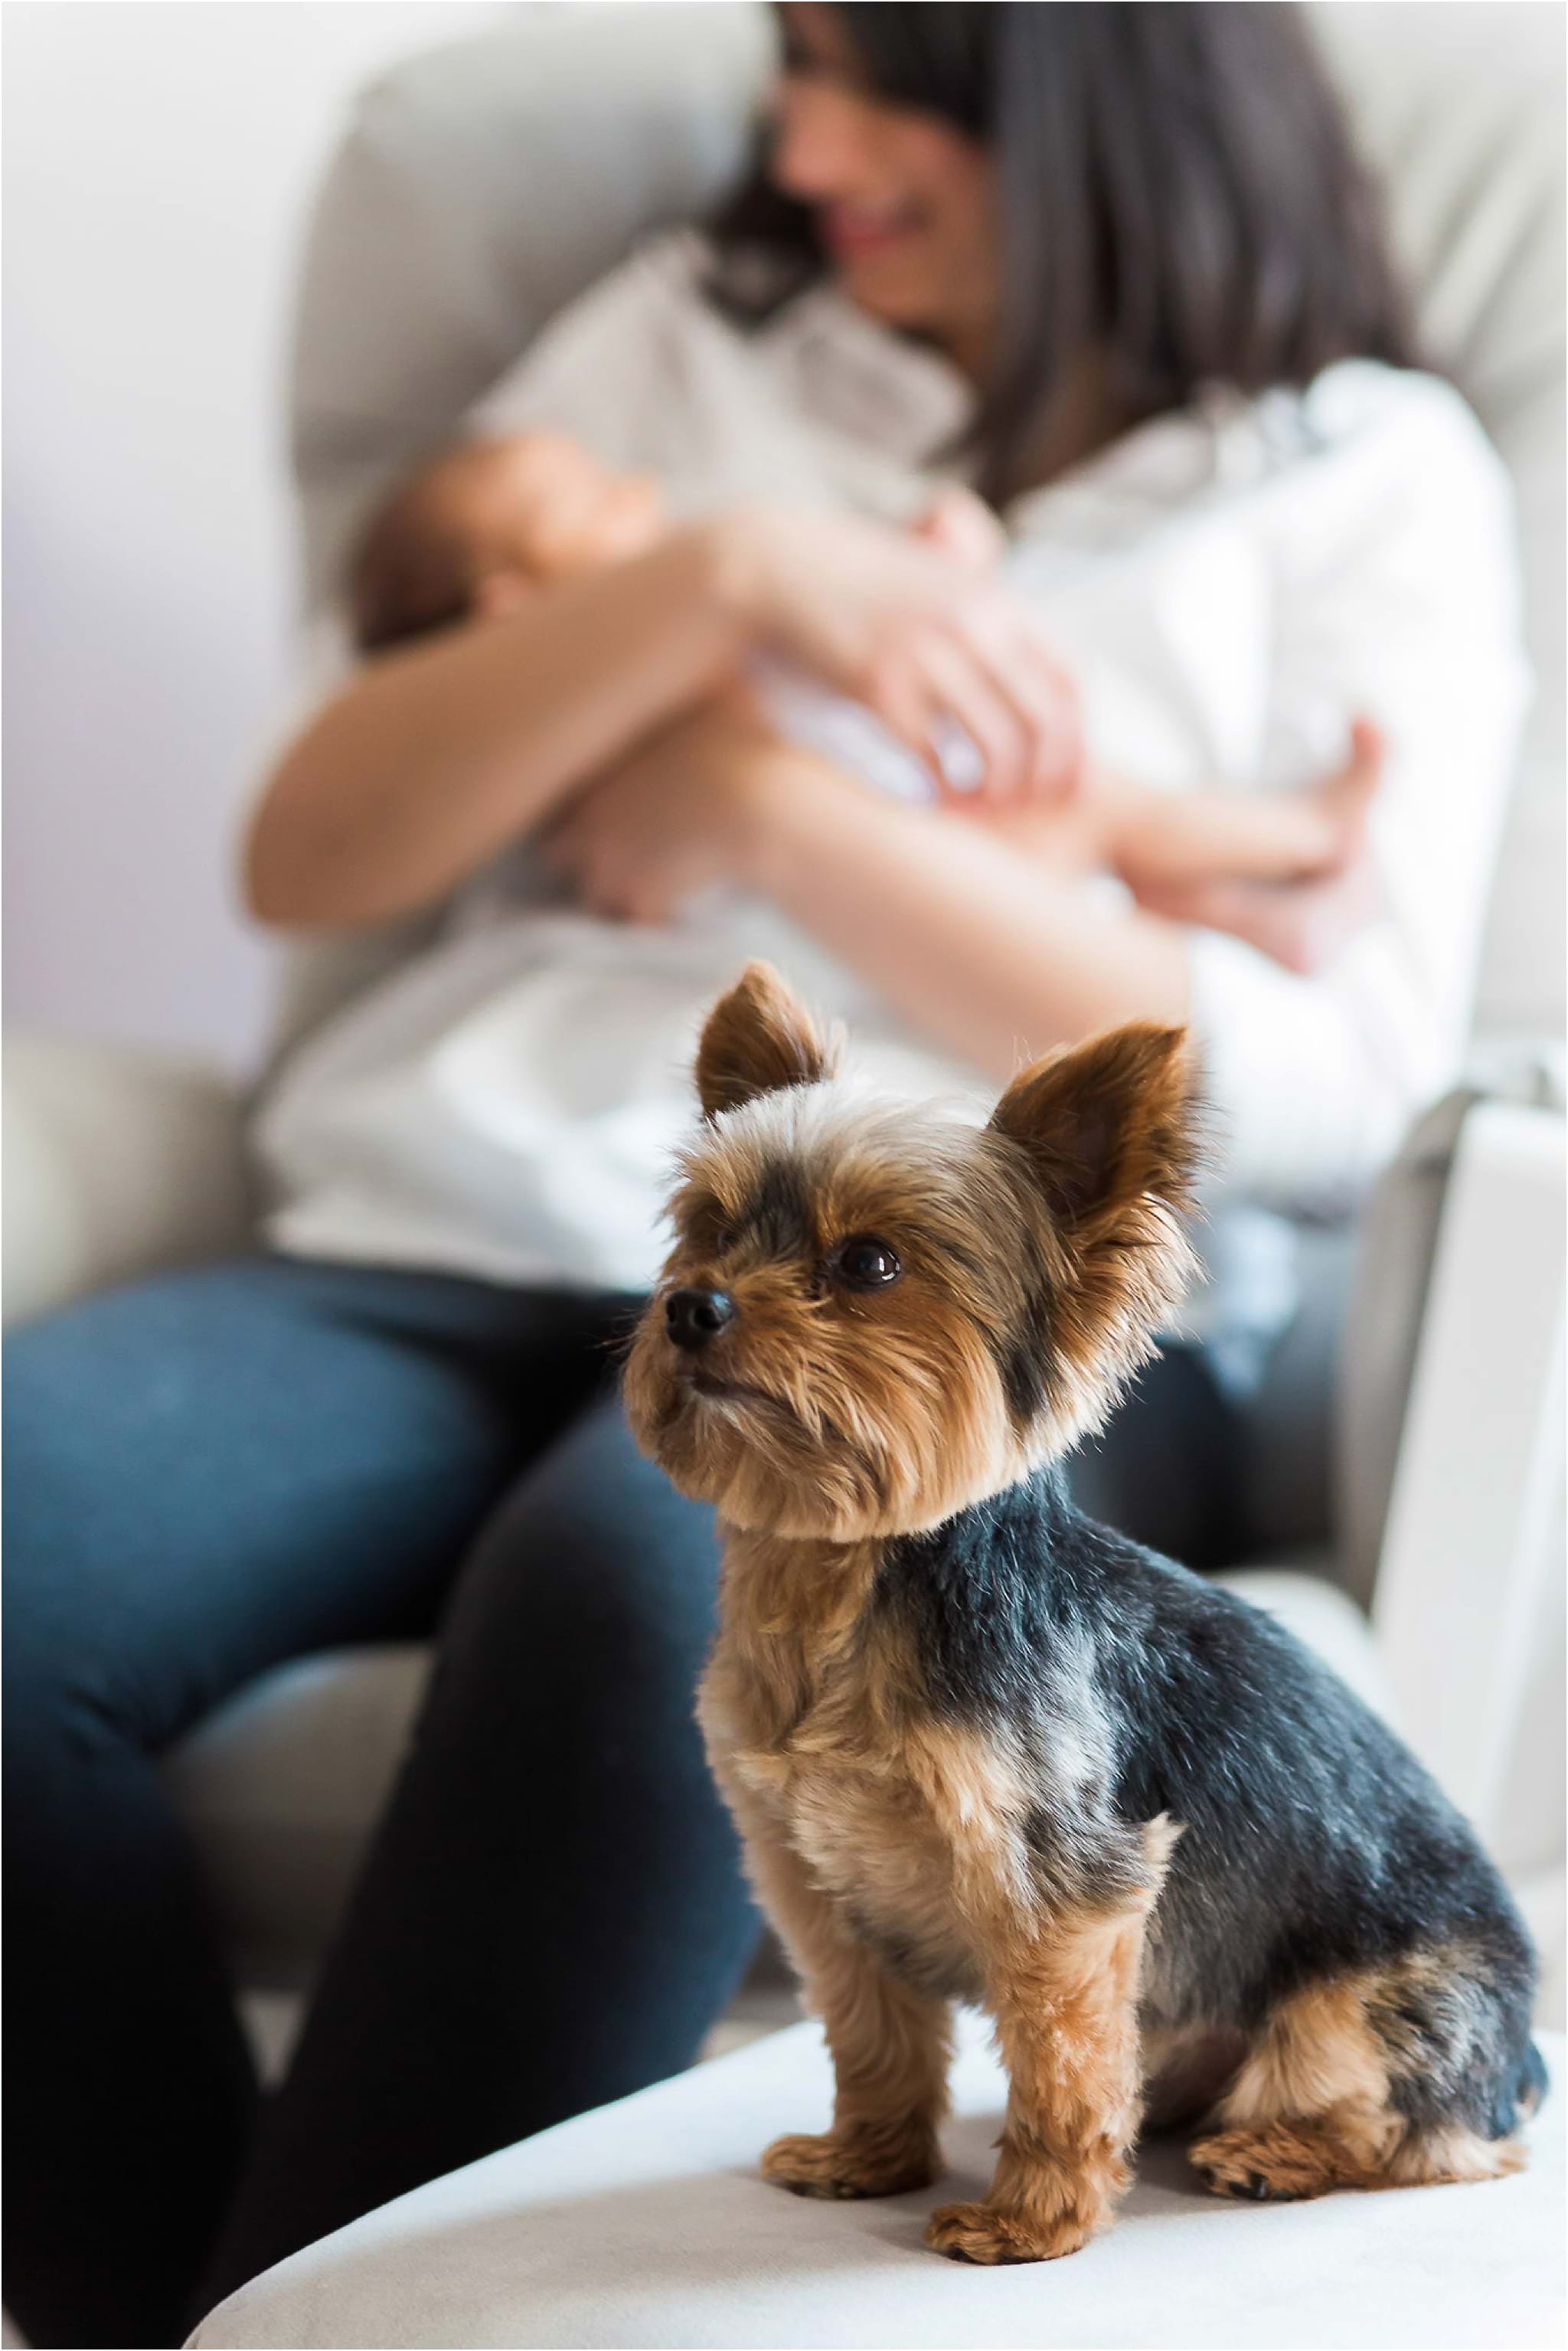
(104, 1403)
(212, 1471)
(55, 1612)
(96, 1458)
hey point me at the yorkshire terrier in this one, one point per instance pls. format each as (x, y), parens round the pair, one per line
(981, 1749)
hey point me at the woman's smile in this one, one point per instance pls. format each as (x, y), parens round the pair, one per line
(850, 229)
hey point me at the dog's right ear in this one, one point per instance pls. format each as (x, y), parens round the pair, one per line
(1108, 1123)
(757, 1037)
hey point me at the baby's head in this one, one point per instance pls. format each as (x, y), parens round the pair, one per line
(476, 530)
(876, 1314)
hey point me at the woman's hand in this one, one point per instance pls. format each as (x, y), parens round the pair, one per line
(1305, 924)
(1302, 926)
(920, 633)
(679, 815)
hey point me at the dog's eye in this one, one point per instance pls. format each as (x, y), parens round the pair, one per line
(866, 1263)
(721, 1239)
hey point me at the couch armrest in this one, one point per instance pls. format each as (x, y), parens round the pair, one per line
(1475, 1517)
(118, 1160)
(1391, 1280)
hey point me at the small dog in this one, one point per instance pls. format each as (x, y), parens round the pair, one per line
(981, 1748)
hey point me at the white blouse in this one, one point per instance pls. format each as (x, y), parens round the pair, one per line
(1229, 586)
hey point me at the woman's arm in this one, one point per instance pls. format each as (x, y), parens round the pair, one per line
(433, 759)
(981, 947)
(986, 949)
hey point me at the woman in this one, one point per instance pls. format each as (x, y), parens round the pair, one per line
(1118, 264)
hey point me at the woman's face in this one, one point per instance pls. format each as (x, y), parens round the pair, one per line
(905, 203)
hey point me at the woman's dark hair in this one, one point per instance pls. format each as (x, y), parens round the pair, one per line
(1179, 196)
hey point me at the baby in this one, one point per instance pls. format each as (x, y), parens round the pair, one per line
(486, 524)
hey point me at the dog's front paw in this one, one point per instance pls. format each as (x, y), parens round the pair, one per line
(980, 2232)
(809, 2164)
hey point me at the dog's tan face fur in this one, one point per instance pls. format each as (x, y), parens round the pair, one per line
(923, 1308)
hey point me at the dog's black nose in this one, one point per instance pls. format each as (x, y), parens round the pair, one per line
(695, 1316)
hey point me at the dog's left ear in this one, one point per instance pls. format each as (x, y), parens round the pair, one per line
(757, 1037)
(1108, 1123)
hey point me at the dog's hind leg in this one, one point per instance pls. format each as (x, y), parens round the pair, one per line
(1349, 2148)
(1346, 2148)
(1314, 2109)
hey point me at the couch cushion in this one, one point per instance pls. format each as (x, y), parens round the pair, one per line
(118, 1162)
(281, 1789)
(647, 2223)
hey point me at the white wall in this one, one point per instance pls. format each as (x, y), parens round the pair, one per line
(158, 163)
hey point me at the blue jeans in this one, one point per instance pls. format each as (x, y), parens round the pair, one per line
(213, 1472)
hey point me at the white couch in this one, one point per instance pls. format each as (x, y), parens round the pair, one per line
(647, 2223)
(444, 237)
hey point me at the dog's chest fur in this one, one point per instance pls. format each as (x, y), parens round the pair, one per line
(930, 1836)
